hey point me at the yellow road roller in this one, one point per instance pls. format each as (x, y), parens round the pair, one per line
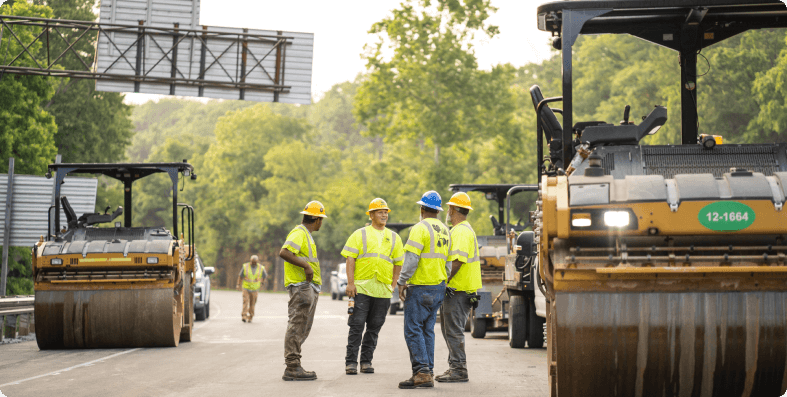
(664, 267)
(104, 285)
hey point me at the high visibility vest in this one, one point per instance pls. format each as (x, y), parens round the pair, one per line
(302, 242)
(468, 278)
(378, 264)
(251, 281)
(431, 240)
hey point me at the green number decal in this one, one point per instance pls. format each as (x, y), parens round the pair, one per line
(726, 216)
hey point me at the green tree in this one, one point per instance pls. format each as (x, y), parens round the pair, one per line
(93, 126)
(430, 88)
(27, 132)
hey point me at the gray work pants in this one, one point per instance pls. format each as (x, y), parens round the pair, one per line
(301, 308)
(453, 317)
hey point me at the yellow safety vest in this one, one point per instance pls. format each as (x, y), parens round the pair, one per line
(464, 249)
(371, 264)
(301, 243)
(431, 241)
(251, 281)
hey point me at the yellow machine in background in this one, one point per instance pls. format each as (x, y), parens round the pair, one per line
(664, 267)
(121, 286)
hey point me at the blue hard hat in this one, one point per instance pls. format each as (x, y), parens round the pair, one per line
(431, 199)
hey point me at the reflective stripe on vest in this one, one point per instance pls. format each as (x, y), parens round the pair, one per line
(365, 249)
(257, 275)
(477, 257)
(433, 254)
(312, 256)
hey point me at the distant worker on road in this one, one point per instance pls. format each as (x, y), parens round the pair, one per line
(252, 276)
(302, 280)
(463, 281)
(422, 288)
(374, 259)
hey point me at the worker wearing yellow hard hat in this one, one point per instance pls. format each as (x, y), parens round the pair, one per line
(463, 282)
(374, 259)
(302, 279)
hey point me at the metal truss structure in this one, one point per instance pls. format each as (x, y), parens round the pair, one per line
(232, 59)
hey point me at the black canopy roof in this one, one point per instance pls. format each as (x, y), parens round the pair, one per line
(660, 21)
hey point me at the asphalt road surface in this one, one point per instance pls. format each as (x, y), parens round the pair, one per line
(229, 357)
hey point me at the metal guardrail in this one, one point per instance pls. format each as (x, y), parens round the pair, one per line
(16, 316)
(21, 304)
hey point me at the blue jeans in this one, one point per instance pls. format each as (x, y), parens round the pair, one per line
(420, 313)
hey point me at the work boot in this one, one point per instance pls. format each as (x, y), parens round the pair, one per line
(417, 380)
(453, 375)
(351, 369)
(367, 368)
(296, 372)
(243, 319)
(249, 321)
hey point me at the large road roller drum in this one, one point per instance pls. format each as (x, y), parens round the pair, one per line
(107, 319)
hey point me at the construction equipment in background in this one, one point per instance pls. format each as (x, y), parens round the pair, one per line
(117, 286)
(509, 300)
(663, 266)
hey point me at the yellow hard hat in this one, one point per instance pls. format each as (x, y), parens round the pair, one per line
(378, 204)
(314, 208)
(460, 199)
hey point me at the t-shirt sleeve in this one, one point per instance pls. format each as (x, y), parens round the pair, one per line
(398, 251)
(418, 236)
(460, 248)
(296, 240)
(352, 248)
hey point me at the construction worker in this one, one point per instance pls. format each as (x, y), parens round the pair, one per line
(302, 280)
(422, 288)
(374, 258)
(463, 282)
(252, 275)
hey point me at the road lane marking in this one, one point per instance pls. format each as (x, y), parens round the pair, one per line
(58, 372)
(90, 363)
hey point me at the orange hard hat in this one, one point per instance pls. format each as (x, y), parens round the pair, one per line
(314, 208)
(378, 204)
(460, 199)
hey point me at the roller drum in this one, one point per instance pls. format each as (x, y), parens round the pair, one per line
(673, 344)
(106, 319)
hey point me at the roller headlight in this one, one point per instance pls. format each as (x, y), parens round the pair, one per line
(152, 260)
(580, 220)
(617, 218)
(56, 261)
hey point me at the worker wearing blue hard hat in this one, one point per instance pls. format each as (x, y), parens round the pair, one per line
(422, 288)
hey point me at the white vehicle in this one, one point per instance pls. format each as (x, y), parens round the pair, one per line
(339, 282)
(202, 289)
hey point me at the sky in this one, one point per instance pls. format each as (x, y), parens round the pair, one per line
(340, 32)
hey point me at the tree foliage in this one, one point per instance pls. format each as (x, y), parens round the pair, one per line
(27, 132)
(93, 126)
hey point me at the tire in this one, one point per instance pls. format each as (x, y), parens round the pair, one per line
(467, 323)
(393, 309)
(517, 321)
(333, 296)
(477, 326)
(340, 297)
(207, 310)
(201, 314)
(535, 334)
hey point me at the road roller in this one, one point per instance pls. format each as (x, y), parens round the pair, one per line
(102, 284)
(663, 267)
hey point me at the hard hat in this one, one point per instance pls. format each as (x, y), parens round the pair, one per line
(314, 208)
(460, 199)
(431, 199)
(378, 204)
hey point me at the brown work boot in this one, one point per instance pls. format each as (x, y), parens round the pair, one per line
(243, 319)
(417, 380)
(367, 368)
(351, 369)
(453, 375)
(296, 372)
(249, 321)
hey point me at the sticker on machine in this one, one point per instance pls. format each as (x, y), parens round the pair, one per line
(726, 216)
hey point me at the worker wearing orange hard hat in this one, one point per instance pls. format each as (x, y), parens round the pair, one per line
(302, 280)
(374, 259)
(463, 282)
